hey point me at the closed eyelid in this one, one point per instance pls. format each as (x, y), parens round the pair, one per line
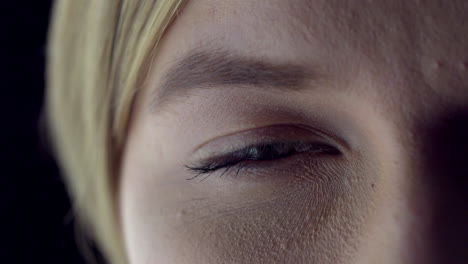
(258, 145)
(262, 152)
(270, 134)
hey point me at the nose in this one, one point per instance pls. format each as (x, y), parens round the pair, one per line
(445, 154)
(430, 186)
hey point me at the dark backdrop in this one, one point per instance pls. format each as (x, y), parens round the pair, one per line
(39, 227)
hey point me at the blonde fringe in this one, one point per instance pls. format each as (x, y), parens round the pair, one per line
(98, 55)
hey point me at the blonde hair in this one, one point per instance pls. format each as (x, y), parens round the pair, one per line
(98, 55)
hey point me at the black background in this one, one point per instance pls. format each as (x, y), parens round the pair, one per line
(39, 224)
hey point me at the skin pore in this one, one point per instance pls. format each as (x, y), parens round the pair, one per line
(311, 131)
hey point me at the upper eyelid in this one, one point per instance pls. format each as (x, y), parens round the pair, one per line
(285, 131)
(244, 151)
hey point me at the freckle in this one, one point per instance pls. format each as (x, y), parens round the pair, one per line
(372, 185)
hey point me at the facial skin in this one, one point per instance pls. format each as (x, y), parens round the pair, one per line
(369, 101)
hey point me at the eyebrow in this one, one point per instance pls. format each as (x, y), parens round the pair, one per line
(207, 68)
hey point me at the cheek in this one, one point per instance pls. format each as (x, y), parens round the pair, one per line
(167, 219)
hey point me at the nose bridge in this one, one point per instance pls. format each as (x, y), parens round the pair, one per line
(445, 155)
(432, 177)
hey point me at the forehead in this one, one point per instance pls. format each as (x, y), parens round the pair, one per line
(415, 46)
(421, 25)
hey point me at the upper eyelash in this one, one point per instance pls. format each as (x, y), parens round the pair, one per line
(237, 162)
(211, 167)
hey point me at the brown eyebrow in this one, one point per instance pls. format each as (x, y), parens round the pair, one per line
(215, 67)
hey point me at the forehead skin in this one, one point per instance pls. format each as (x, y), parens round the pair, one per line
(389, 64)
(407, 59)
(394, 41)
(402, 56)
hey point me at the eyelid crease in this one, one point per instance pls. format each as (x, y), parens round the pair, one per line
(287, 128)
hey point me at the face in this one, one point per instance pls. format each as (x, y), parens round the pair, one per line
(273, 131)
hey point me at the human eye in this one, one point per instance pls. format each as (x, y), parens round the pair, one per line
(274, 149)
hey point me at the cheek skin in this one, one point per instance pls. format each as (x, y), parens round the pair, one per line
(289, 220)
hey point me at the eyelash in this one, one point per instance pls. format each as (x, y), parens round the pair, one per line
(256, 153)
